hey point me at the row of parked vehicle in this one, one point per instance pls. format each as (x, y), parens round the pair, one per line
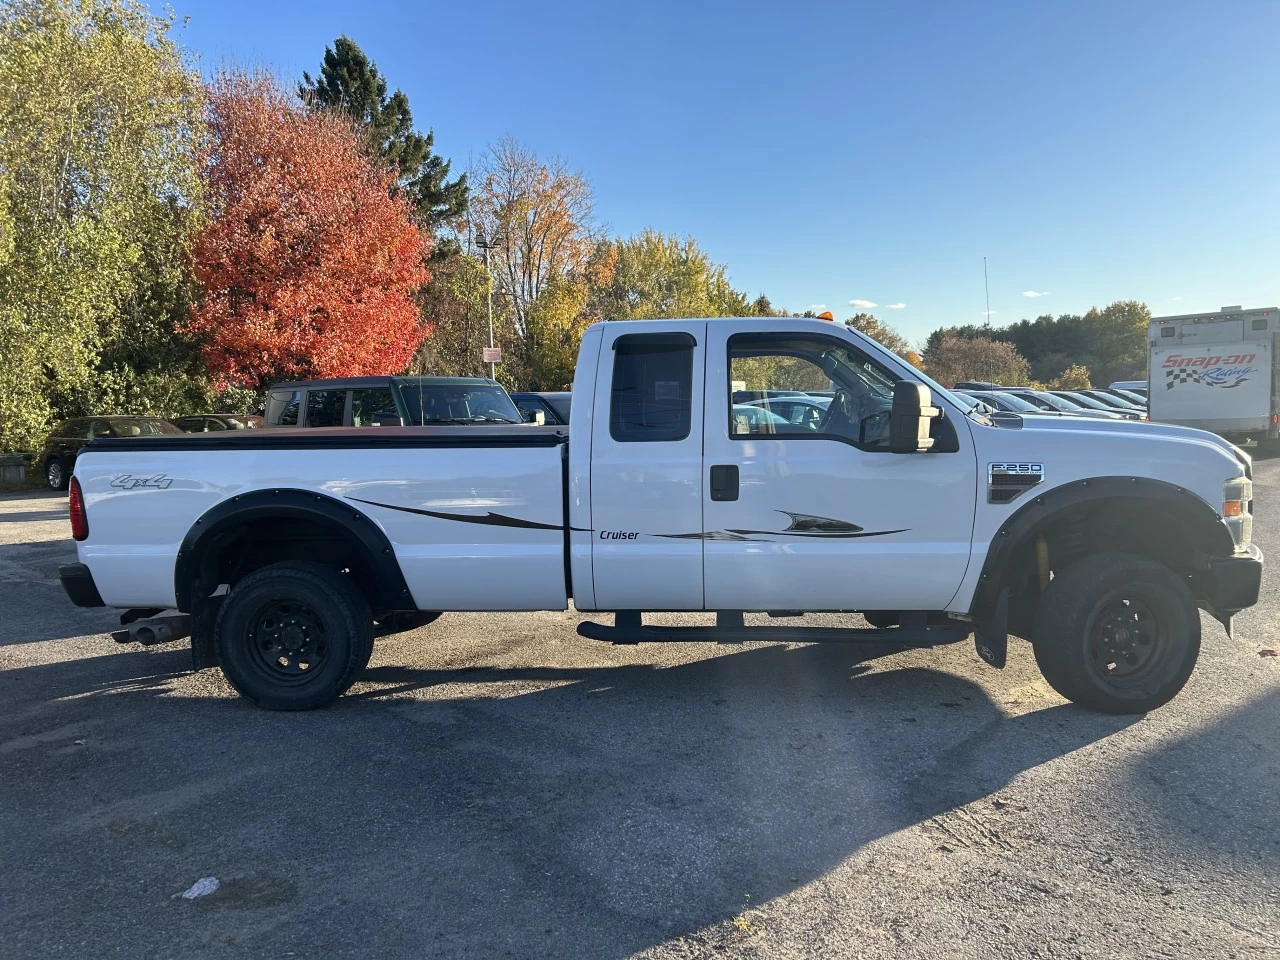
(349, 402)
(1120, 401)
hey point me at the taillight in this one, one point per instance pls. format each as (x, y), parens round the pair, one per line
(75, 506)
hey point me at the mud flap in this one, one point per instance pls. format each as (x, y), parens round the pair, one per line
(991, 636)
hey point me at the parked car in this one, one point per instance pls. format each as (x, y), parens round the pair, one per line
(212, 422)
(1136, 386)
(977, 385)
(748, 419)
(807, 412)
(1089, 403)
(746, 396)
(1048, 401)
(389, 402)
(554, 407)
(1111, 400)
(1010, 403)
(1096, 541)
(68, 437)
(1131, 395)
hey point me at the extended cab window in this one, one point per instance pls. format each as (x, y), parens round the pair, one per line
(652, 396)
(801, 385)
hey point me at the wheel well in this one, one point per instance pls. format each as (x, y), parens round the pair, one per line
(250, 532)
(1152, 530)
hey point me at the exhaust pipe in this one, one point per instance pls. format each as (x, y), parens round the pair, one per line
(155, 630)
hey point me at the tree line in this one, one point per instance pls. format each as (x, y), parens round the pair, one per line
(173, 244)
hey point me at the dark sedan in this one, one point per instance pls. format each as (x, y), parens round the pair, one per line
(68, 437)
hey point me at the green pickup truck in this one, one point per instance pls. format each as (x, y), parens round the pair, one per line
(389, 402)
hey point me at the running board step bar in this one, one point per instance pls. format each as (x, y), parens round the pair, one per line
(915, 631)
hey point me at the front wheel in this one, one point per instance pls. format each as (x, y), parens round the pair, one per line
(56, 474)
(1117, 633)
(294, 636)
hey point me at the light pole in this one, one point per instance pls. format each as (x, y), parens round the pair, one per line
(486, 244)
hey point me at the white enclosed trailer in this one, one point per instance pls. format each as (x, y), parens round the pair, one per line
(1217, 371)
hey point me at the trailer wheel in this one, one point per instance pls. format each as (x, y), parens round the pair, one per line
(294, 636)
(1117, 633)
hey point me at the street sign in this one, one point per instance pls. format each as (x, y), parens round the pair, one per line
(491, 354)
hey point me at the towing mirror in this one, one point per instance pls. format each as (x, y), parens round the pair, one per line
(535, 416)
(909, 421)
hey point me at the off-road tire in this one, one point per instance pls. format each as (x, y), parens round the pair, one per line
(282, 622)
(1090, 629)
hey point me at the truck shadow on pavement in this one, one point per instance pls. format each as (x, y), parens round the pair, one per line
(524, 811)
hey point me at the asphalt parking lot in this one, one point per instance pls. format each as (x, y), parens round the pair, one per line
(496, 786)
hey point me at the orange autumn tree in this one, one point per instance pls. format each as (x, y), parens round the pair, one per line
(307, 264)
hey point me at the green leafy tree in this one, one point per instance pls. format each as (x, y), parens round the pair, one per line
(653, 275)
(350, 82)
(99, 115)
(1074, 377)
(951, 359)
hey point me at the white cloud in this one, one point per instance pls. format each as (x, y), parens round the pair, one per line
(1035, 293)
(896, 306)
(987, 313)
(862, 304)
(817, 306)
(1172, 299)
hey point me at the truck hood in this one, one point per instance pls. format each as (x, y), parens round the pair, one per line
(1073, 448)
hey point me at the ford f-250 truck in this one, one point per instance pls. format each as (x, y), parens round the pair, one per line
(1095, 540)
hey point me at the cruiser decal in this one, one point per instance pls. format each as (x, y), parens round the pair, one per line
(801, 525)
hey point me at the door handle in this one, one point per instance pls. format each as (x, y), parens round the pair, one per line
(724, 481)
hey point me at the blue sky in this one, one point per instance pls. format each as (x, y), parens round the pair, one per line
(863, 151)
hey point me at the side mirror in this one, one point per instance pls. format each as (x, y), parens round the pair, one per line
(910, 418)
(535, 416)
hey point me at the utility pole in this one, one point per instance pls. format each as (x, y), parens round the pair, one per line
(486, 244)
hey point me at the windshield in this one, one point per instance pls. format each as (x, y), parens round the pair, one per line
(1119, 403)
(967, 404)
(1050, 402)
(1009, 401)
(1081, 400)
(457, 403)
(143, 428)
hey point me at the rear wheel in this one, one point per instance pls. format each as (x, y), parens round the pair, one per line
(1117, 633)
(56, 474)
(294, 636)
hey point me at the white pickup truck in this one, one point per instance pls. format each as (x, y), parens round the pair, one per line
(1095, 540)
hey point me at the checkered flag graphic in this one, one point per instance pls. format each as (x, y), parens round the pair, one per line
(1184, 375)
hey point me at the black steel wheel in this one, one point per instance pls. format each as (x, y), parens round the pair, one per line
(294, 636)
(287, 641)
(1117, 633)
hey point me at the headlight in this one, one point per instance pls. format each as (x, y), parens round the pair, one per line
(1237, 497)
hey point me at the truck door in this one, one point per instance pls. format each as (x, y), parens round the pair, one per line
(817, 514)
(646, 468)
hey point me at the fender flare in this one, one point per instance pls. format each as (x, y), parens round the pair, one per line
(276, 504)
(1019, 529)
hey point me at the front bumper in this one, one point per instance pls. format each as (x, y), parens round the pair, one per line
(1233, 583)
(77, 582)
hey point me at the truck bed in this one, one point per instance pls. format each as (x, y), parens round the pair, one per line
(474, 515)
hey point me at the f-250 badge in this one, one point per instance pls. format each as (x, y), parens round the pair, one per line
(127, 482)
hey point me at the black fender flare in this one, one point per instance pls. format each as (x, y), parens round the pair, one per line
(283, 503)
(1020, 528)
